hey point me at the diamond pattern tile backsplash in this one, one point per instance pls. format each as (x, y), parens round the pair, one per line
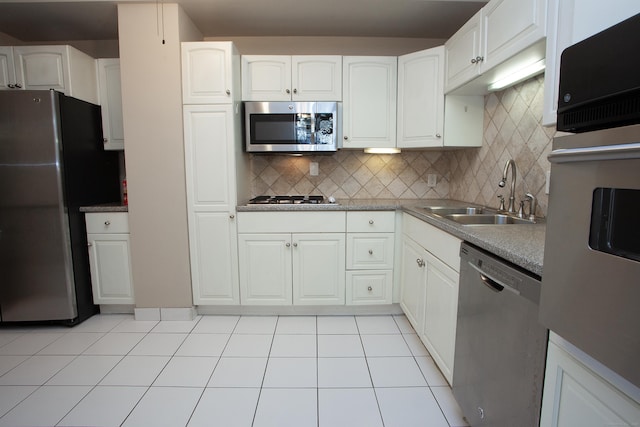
(512, 130)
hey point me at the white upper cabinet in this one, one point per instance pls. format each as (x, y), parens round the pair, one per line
(571, 21)
(110, 90)
(369, 101)
(207, 73)
(7, 68)
(291, 78)
(421, 99)
(502, 37)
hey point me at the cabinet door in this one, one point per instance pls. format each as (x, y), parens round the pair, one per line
(366, 287)
(207, 73)
(319, 269)
(7, 68)
(214, 263)
(367, 251)
(441, 314)
(42, 67)
(462, 51)
(265, 273)
(111, 279)
(412, 278)
(316, 78)
(209, 155)
(421, 99)
(369, 97)
(576, 396)
(110, 90)
(266, 78)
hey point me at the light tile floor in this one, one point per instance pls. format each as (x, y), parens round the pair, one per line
(226, 371)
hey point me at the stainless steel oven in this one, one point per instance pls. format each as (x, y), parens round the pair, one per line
(591, 278)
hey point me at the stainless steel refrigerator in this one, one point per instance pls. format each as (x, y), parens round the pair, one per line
(52, 162)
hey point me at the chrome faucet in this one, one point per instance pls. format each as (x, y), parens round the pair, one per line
(510, 163)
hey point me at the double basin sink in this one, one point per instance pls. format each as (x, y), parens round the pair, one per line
(471, 215)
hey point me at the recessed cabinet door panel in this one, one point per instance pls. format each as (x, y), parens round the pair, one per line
(366, 287)
(370, 251)
(110, 88)
(206, 72)
(265, 276)
(413, 284)
(110, 268)
(42, 68)
(7, 68)
(266, 78)
(318, 268)
(460, 50)
(214, 268)
(316, 78)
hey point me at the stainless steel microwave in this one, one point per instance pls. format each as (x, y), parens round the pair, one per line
(291, 127)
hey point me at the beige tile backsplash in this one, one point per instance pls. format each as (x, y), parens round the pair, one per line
(512, 130)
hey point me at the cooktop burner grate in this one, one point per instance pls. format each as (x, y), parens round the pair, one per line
(286, 200)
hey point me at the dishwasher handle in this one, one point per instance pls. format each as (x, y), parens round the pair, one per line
(491, 282)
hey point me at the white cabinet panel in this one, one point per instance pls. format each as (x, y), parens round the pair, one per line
(7, 68)
(366, 287)
(462, 51)
(370, 251)
(266, 78)
(413, 283)
(316, 78)
(110, 90)
(110, 263)
(207, 72)
(371, 221)
(318, 269)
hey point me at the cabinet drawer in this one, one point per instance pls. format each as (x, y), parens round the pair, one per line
(369, 287)
(107, 222)
(370, 251)
(371, 222)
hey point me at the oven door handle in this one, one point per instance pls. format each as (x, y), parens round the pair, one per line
(590, 154)
(491, 282)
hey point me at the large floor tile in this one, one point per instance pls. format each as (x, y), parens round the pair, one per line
(296, 325)
(7, 336)
(293, 346)
(340, 346)
(7, 363)
(164, 407)
(115, 343)
(449, 406)
(187, 372)
(256, 325)
(395, 372)
(45, 407)
(226, 407)
(101, 322)
(132, 325)
(385, 345)
(431, 372)
(85, 370)
(409, 407)
(158, 345)
(238, 372)
(11, 395)
(415, 345)
(403, 324)
(216, 325)
(291, 373)
(348, 372)
(377, 325)
(337, 325)
(248, 346)
(36, 370)
(104, 407)
(29, 344)
(136, 371)
(279, 407)
(175, 326)
(203, 345)
(348, 408)
(72, 343)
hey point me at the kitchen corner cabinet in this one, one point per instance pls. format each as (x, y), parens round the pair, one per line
(291, 78)
(575, 395)
(109, 259)
(571, 21)
(370, 257)
(292, 258)
(208, 73)
(430, 268)
(62, 68)
(498, 32)
(110, 90)
(369, 101)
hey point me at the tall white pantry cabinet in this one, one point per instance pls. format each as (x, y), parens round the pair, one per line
(215, 167)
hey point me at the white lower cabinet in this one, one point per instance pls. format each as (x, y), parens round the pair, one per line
(109, 258)
(430, 276)
(575, 395)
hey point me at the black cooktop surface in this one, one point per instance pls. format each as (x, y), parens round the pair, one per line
(286, 200)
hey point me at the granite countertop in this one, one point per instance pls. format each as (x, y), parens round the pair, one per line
(522, 244)
(105, 207)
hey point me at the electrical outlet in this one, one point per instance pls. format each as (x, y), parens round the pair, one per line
(546, 189)
(432, 180)
(313, 168)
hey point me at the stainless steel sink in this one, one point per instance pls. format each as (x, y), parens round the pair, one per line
(487, 219)
(446, 210)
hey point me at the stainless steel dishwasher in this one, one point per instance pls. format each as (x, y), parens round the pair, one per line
(500, 346)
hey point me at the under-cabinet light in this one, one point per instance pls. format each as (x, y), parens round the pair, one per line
(518, 76)
(382, 150)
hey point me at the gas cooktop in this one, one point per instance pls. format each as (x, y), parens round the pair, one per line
(288, 200)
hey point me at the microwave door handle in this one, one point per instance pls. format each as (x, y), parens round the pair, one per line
(591, 154)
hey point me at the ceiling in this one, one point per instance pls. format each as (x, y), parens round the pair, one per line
(55, 20)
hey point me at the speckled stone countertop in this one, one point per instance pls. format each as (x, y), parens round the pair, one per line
(106, 207)
(522, 245)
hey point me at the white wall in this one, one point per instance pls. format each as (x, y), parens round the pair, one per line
(152, 109)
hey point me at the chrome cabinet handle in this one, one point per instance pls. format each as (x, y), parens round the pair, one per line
(370, 252)
(295, 245)
(346, 138)
(371, 221)
(287, 244)
(477, 59)
(287, 91)
(18, 86)
(232, 216)
(228, 92)
(89, 244)
(105, 140)
(420, 262)
(295, 91)
(107, 223)
(369, 288)
(438, 135)
(11, 86)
